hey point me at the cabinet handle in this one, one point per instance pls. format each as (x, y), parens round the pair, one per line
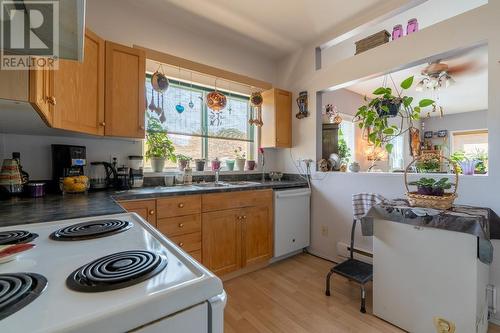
(102, 123)
(181, 225)
(51, 100)
(151, 212)
(181, 205)
(181, 244)
(238, 217)
(244, 217)
(141, 127)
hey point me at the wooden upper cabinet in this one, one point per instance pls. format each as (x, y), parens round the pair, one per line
(277, 116)
(221, 240)
(14, 85)
(41, 93)
(144, 208)
(125, 78)
(79, 90)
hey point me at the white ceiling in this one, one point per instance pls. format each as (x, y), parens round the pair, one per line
(469, 93)
(272, 27)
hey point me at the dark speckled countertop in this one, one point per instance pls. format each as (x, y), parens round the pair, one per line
(55, 207)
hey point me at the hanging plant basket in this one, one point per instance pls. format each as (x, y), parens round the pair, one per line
(389, 107)
(417, 199)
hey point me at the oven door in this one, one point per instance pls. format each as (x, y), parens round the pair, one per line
(191, 320)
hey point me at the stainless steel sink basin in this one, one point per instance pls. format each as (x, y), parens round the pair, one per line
(243, 183)
(211, 185)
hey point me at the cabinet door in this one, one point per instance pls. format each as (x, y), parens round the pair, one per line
(257, 234)
(125, 87)
(41, 97)
(14, 85)
(79, 90)
(145, 208)
(221, 241)
(283, 112)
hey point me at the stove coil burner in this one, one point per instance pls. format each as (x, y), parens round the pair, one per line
(16, 237)
(90, 230)
(116, 271)
(18, 290)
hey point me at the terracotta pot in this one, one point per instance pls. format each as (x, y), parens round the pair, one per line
(250, 165)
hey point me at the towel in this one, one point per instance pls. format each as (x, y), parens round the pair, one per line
(362, 202)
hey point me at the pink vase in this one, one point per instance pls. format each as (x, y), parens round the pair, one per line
(215, 165)
(412, 26)
(397, 32)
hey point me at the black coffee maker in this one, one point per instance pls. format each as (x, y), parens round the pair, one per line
(67, 161)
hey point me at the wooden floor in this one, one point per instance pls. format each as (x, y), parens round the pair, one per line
(288, 297)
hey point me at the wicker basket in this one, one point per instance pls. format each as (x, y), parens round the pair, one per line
(431, 201)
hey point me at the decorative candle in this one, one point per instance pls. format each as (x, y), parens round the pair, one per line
(412, 26)
(397, 32)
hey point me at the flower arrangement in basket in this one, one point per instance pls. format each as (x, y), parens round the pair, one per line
(431, 193)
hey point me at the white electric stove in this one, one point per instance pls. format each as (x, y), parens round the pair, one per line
(155, 288)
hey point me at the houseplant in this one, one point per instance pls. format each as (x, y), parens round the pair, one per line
(344, 151)
(429, 186)
(429, 165)
(159, 147)
(373, 117)
(183, 161)
(240, 158)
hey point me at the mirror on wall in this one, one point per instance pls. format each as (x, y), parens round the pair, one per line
(452, 122)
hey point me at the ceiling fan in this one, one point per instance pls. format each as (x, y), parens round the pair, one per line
(438, 75)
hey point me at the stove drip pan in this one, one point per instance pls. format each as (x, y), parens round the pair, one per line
(116, 271)
(90, 230)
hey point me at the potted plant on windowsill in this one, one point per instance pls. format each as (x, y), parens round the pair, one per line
(240, 158)
(159, 147)
(183, 161)
(373, 117)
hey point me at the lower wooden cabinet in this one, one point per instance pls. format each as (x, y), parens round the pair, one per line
(221, 239)
(225, 231)
(145, 208)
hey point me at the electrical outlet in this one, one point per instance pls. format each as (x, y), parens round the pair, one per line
(324, 231)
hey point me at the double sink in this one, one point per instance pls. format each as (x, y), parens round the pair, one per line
(224, 184)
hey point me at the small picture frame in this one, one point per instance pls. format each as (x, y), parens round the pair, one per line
(428, 134)
(442, 133)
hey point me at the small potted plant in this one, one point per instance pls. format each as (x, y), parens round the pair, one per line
(429, 165)
(200, 164)
(429, 186)
(183, 161)
(240, 158)
(373, 116)
(230, 165)
(159, 147)
(344, 152)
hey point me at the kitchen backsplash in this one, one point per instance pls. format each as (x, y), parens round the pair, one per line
(36, 150)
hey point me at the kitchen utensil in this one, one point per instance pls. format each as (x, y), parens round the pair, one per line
(11, 252)
(35, 190)
(123, 178)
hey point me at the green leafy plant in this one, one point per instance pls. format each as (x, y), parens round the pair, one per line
(429, 165)
(344, 151)
(239, 153)
(181, 157)
(157, 141)
(430, 186)
(479, 155)
(373, 117)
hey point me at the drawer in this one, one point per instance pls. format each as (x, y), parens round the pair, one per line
(189, 242)
(180, 225)
(178, 206)
(230, 200)
(196, 255)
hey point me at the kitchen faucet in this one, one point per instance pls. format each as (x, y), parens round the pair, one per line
(217, 171)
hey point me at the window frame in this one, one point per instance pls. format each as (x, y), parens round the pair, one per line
(205, 111)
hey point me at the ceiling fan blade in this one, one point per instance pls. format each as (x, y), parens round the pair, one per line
(468, 67)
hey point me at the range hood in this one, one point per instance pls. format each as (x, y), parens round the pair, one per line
(71, 26)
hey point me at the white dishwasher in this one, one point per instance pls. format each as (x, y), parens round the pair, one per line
(291, 220)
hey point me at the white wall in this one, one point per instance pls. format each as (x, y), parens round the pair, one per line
(331, 201)
(36, 150)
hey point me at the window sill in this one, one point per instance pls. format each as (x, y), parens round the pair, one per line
(170, 172)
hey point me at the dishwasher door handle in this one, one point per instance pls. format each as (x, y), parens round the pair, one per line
(292, 195)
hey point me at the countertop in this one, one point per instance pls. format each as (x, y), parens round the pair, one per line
(55, 207)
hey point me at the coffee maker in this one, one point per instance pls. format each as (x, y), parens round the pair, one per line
(67, 161)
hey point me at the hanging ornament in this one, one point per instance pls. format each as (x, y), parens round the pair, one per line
(191, 104)
(256, 100)
(216, 101)
(159, 81)
(179, 107)
(302, 103)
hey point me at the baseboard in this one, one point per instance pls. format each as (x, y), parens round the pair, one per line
(291, 254)
(245, 270)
